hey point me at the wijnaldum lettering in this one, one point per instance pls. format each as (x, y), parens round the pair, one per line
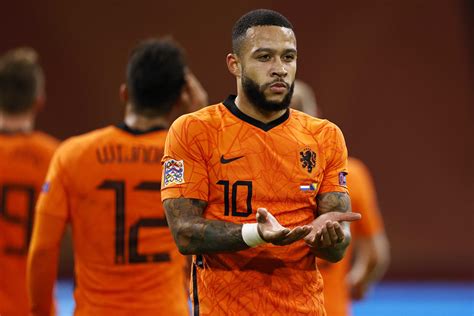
(126, 154)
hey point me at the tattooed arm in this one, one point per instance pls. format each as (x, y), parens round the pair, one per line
(194, 234)
(330, 237)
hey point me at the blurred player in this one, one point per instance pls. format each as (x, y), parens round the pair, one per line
(225, 165)
(106, 183)
(24, 158)
(370, 244)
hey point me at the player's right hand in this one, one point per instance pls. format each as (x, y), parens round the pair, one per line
(327, 231)
(273, 232)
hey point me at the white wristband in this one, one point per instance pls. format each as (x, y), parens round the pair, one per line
(251, 236)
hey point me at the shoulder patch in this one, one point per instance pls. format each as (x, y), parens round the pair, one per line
(173, 172)
(342, 178)
(45, 187)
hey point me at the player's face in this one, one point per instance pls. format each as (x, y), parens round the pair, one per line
(268, 66)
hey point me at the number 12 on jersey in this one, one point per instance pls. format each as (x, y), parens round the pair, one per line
(134, 257)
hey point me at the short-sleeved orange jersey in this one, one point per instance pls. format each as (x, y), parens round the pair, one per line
(364, 201)
(107, 184)
(238, 164)
(24, 160)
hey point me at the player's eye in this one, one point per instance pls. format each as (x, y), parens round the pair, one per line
(289, 57)
(265, 57)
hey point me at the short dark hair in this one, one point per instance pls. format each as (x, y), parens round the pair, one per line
(260, 17)
(21, 79)
(155, 76)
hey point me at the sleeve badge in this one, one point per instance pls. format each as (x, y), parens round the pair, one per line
(45, 187)
(343, 178)
(173, 172)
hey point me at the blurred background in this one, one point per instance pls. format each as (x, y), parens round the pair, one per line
(397, 76)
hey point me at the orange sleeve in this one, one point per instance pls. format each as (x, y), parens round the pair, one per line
(335, 152)
(53, 198)
(184, 162)
(42, 263)
(50, 221)
(364, 200)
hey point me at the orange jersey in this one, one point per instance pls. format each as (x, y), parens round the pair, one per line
(238, 164)
(107, 184)
(24, 160)
(364, 201)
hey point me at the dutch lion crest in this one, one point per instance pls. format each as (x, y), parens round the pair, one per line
(308, 159)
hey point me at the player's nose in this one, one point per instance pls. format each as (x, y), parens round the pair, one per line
(279, 69)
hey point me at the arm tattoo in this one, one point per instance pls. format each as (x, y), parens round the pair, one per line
(333, 202)
(194, 234)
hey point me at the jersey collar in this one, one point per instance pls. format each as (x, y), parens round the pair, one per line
(133, 131)
(232, 107)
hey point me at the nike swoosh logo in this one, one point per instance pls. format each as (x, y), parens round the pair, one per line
(225, 161)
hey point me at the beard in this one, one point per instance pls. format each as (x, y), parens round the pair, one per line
(256, 96)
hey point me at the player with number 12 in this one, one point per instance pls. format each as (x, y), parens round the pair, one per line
(106, 183)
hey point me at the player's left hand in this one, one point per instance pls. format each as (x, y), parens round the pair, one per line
(327, 231)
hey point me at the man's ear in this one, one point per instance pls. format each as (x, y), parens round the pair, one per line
(123, 92)
(233, 64)
(39, 102)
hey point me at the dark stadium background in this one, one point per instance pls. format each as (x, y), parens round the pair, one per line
(395, 75)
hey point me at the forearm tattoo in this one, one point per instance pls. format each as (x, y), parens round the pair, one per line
(333, 202)
(194, 234)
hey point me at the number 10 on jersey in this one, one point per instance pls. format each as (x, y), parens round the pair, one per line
(233, 197)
